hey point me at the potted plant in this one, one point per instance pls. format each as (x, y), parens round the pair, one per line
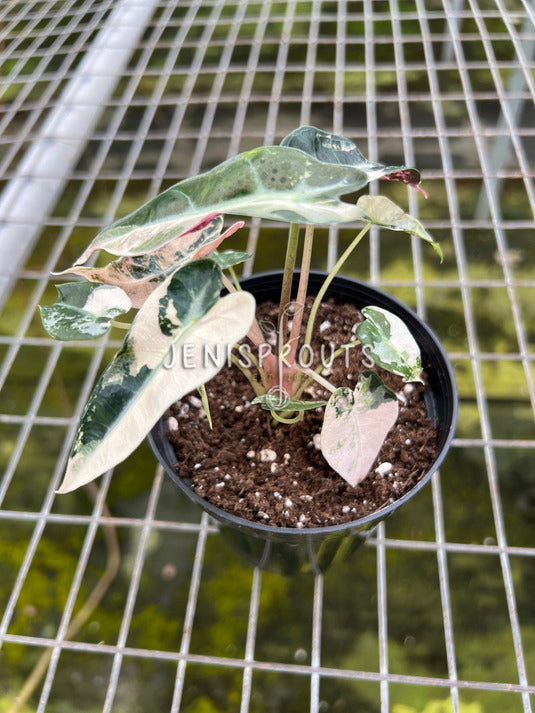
(196, 323)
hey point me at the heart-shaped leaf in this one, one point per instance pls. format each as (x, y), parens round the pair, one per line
(355, 426)
(162, 358)
(382, 211)
(330, 148)
(83, 310)
(276, 182)
(387, 340)
(138, 276)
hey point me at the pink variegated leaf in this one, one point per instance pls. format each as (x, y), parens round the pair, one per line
(139, 275)
(355, 426)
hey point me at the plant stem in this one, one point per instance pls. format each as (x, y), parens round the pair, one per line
(255, 333)
(249, 376)
(120, 325)
(232, 273)
(206, 404)
(229, 284)
(283, 419)
(289, 265)
(259, 368)
(292, 380)
(314, 375)
(329, 279)
(318, 369)
(301, 291)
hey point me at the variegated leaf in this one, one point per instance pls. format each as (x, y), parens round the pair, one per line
(389, 343)
(355, 426)
(276, 402)
(83, 311)
(276, 182)
(382, 211)
(139, 276)
(157, 366)
(333, 149)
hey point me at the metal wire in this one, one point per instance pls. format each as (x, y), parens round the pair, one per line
(202, 81)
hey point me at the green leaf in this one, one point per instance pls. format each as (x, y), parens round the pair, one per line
(355, 426)
(382, 211)
(276, 182)
(387, 340)
(192, 291)
(333, 149)
(155, 367)
(276, 402)
(138, 276)
(230, 258)
(205, 404)
(83, 311)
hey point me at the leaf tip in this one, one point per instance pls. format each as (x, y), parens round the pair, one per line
(418, 187)
(62, 490)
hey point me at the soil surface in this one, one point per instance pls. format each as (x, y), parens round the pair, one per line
(276, 474)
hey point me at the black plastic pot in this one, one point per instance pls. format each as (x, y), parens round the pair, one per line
(291, 551)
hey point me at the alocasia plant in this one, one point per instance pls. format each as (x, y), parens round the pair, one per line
(167, 267)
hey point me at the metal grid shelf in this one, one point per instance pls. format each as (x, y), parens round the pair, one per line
(435, 612)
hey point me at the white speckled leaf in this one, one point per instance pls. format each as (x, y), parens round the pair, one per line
(389, 343)
(355, 426)
(276, 402)
(382, 211)
(138, 276)
(275, 182)
(152, 369)
(83, 311)
(330, 148)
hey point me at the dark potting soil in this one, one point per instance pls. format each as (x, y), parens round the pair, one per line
(277, 475)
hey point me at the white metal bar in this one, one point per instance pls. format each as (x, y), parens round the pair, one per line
(445, 589)
(178, 114)
(310, 63)
(315, 655)
(510, 116)
(274, 667)
(371, 123)
(53, 84)
(47, 505)
(251, 640)
(280, 69)
(248, 78)
(417, 261)
(73, 592)
(217, 86)
(132, 593)
(190, 614)
(482, 404)
(382, 617)
(43, 171)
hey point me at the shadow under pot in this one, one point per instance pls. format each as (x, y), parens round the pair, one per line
(290, 550)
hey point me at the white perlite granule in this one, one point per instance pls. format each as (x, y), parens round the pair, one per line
(267, 455)
(384, 469)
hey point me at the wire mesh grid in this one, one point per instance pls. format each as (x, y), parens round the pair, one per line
(124, 598)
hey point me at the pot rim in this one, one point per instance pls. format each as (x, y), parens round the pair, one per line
(182, 482)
